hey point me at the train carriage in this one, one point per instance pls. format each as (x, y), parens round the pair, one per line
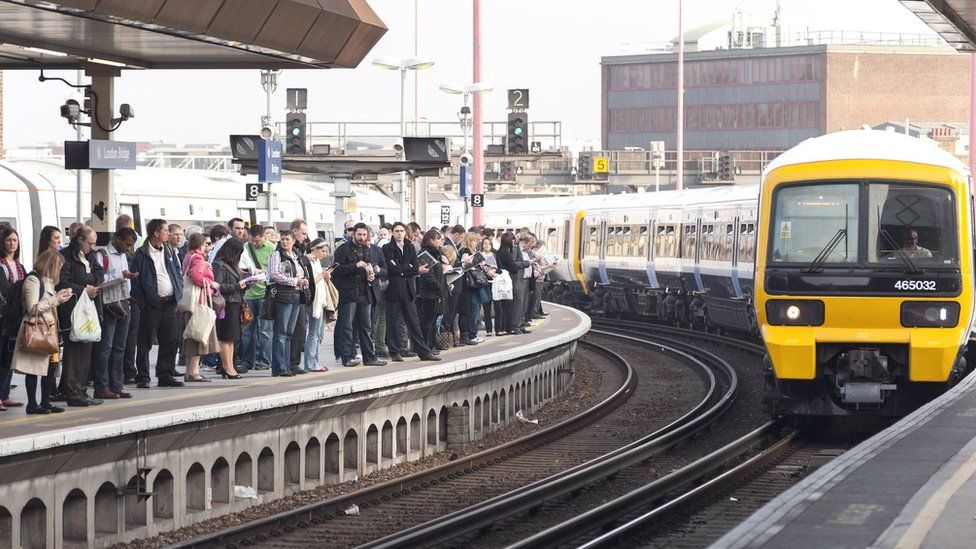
(864, 279)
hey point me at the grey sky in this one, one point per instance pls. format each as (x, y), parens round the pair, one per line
(556, 56)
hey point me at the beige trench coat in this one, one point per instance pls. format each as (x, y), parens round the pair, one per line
(27, 362)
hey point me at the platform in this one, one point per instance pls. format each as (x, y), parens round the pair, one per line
(157, 408)
(911, 485)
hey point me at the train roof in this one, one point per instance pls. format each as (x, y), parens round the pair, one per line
(663, 199)
(867, 145)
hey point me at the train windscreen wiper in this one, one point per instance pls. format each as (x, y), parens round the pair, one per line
(814, 265)
(912, 269)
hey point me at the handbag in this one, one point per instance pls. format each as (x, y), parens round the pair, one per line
(476, 278)
(201, 322)
(445, 339)
(37, 336)
(268, 306)
(190, 295)
(217, 301)
(247, 316)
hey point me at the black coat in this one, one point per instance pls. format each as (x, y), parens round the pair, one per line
(349, 279)
(433, 285)
(401, 269)
(229, 278)
(75, 276)
(511, 261)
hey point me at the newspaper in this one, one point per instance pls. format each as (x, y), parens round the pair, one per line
(427, 259)
(115, 290)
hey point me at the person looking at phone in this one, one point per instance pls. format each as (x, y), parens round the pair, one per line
(115, 318)
(352, 277)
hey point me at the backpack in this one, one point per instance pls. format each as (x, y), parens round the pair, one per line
(13, 311)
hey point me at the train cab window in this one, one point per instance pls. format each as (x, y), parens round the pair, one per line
(916, 222)
(815, 221)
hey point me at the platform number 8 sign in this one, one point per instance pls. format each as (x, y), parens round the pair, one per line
(477, 201)
(251, 191)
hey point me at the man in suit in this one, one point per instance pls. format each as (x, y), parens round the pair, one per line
(352, 277)
(402, 267)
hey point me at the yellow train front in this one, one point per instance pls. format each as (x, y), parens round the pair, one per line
(864, 279)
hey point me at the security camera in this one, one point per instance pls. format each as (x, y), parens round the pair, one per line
(465, 110)
(267, 132)
(466, 159)
(71, 110)
(126, 111)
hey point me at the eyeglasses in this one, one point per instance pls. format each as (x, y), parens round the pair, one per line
(351, 230)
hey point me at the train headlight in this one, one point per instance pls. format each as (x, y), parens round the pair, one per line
(929, 314)
(783, 312)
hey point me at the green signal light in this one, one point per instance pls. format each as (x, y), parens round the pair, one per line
(296, 131)
(518, 131)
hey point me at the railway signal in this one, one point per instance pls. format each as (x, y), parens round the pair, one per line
(505, 172)
(584, 167)
(518, 132)
(295, 133)
(725, 167)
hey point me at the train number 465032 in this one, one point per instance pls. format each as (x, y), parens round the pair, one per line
(915, 285)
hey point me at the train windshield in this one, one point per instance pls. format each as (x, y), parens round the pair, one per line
(815, 221)
(911, 221)
(885, 224)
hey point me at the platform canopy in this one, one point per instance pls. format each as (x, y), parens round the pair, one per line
(187, 34)
(954, 20)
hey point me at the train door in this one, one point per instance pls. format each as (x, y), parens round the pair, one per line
(651, 232)
(602, 247)
(133, 211)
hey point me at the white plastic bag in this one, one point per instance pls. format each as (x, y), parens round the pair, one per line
(201, 323)
(501, 286)
(84, 321)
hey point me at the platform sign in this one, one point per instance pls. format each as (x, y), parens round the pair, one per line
(464, 185)
(477, 201)
(445, 214)
(269, 161)
(601, 165)
(252, 191)
(99, 154)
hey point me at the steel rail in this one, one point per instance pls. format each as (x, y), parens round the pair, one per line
(489, 512)
(302, 517)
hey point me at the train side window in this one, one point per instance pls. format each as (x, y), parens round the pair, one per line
(593, 247)
(642, 242)
(747, 242)
(689, 241)
(626, 244)
(664, 242)
(552, 240)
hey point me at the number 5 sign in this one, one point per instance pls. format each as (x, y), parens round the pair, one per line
(601, 165)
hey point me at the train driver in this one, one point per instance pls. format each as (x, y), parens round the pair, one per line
(910, 246)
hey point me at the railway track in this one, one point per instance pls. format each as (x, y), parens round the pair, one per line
(585, 437)
(621, 387)
(467, 526)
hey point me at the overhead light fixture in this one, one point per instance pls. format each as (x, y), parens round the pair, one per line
(106, 62)
(387, 63)
(418, 63)
(46, 51)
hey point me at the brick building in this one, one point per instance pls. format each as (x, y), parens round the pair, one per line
(773, 98)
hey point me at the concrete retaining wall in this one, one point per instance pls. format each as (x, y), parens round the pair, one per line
(87, 495)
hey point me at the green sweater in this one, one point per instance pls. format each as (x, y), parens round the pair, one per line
(263, 254)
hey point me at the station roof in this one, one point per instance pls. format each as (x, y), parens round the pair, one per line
(954, 20)
(187, 34)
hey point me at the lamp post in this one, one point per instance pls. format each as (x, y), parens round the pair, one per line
(466, 90)
(403, 65)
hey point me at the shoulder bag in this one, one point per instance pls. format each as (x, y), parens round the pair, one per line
(247, 316)
(268, 305)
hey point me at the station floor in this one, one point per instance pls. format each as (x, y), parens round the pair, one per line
(158, 407)
(910, 486)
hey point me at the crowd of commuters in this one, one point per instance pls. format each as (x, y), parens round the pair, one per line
(237, 298)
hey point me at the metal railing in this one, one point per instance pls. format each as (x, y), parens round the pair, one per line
(629, 162)
(352, 137)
